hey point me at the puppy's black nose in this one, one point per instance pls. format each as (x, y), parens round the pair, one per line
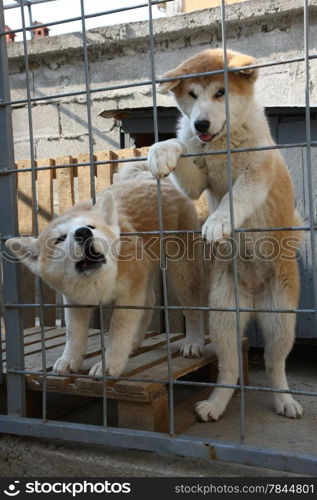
(82, 234)
(202, 125)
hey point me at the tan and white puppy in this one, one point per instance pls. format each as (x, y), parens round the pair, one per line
(83, 255)
(262, 197)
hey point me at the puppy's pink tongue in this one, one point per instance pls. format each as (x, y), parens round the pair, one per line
(205, 137)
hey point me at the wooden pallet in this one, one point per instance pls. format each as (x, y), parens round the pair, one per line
(138, 405)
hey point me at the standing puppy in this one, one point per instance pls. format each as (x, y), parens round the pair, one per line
(262, 196)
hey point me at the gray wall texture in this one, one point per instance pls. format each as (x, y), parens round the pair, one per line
(271, 30)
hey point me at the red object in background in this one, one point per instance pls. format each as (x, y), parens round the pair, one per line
(10, 36)
(41, 31)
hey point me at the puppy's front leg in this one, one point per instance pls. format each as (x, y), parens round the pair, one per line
(125, 324)
(249, 192)
(164, 156)
(77, 323)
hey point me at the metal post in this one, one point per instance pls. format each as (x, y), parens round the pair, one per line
(9, 225)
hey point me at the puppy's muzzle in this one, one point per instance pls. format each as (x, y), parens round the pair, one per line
(82, 234)
(202, 125)
(92, 259)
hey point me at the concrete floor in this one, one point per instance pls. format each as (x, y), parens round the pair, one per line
(264, 428)
(27, 457)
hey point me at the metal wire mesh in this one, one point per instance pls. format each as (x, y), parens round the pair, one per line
(14, 306)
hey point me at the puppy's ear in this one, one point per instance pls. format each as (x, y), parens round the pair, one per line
(106, 206)
(26, 250)
(240, 60)
(171, 86)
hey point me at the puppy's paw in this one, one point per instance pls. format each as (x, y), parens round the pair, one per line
(96, 370)
(66, 364)
(216, 228)
(287, 406)
(163, 157)
(190, 349)
(207, 411)
(112, 369)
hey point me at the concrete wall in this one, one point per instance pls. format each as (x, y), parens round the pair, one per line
(271, 30)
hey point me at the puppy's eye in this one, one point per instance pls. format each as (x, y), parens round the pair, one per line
(192, 94)
(91, 227)
(220, 93)
(60, 239)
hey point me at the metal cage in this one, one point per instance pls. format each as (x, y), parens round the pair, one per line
(15, 422)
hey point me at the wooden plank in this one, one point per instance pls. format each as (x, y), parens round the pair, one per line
(152, 416)
(34, 341)
(54, 349)
(184, 411)
(125, 154)
(143, 151)
(26, 228)
(56, 384)
(83, 174)
(155, 354)
(45, 215)
(45, 193)
(93, 388)
(28, 333)
(25, 199)
(55, 341)
(65, 184)
(180, 367)
(151, 352)
(105, 172)
(148, 359)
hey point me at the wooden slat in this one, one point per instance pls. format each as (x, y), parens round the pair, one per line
(83, 174)
(25, 199)
(65, 184)
(180, 367)
(27, 333)
(148, 359)
(54, 349)
(156, 354)
(184, 412)
(149, 353)
(143, 151)
(148, 417)
(105, 172)
(45, 193)
(26, 228)
(33, 341)
(45, 215)
(126, 153)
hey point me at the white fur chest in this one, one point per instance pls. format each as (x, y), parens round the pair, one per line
(94, 289)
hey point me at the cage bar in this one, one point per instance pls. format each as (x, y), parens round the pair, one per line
(15, 422)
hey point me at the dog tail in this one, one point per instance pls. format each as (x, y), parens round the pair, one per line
(299, 221)
(132, 170)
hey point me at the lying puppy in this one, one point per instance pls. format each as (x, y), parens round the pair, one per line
(262, 197)
(82, 255)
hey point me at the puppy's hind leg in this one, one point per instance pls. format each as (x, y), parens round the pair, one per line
(223, 336)
(188, 282)
(279, 333)
(146, 318)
